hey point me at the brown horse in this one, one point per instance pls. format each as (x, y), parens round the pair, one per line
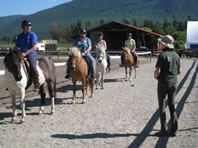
(128, 63)
(79, 72)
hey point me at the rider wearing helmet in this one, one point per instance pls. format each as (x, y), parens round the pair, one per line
(101, 42)
(130, 43)
(84, 43)
(27, 43)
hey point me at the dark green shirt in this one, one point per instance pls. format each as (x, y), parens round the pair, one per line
(169, 63)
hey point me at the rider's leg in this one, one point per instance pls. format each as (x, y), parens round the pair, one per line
(108, 60)
(93, 72)
(32, 60)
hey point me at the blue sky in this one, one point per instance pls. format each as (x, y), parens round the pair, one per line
(15, 7)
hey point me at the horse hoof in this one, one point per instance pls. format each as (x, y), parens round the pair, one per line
(53, 111)
(83, 102)
(22, 120)
(13, 119)
(73, 102)
(102, 88)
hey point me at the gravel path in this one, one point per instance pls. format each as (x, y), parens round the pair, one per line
(119, 116)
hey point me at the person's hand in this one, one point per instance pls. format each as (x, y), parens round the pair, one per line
(24, 54)
(83, 54)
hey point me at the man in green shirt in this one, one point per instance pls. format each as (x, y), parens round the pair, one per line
(167, 69)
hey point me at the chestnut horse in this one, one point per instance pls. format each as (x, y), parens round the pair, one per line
(79, 72)
(128, 63)
(16, 79)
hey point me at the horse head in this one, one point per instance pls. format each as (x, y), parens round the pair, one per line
(12, 63)
(126, 51)
(100, 53)
(74, 57)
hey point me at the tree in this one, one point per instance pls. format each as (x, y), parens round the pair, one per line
(54, 32)
(134, 22)
(102, 22)
(166, 23)
(126, 21)
(148, 23)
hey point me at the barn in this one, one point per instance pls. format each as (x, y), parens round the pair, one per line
(115, 34)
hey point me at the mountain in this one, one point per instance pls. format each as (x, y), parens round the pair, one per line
(94, 10)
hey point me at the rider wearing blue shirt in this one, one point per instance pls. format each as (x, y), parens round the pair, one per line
(84, 43)
(27, 43)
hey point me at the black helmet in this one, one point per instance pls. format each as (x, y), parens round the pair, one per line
(100, 33)
(82, 31)
(25, 23)
(129, 34)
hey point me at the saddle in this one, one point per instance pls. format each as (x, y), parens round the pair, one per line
(88, 61)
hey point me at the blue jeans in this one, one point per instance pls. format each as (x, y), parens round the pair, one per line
(108, 60)
(32, 60)
(91, 60)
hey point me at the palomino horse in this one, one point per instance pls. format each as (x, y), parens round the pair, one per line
(79, 72)
(101, 65)
(128, 63)
(16, 78)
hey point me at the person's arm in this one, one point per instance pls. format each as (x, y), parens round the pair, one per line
(179, 71)
(34, 47)
(105, 45)
(134, 47)
(157, 72)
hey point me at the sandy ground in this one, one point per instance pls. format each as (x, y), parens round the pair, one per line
(119, 116)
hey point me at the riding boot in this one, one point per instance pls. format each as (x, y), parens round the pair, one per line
(36, 81)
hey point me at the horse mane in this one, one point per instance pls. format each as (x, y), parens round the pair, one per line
(127, 50)
(74, 51)
(13, 55)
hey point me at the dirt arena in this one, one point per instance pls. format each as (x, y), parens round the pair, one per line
(119, 116)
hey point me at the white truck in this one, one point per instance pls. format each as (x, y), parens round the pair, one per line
(192, 35)
(41, 47)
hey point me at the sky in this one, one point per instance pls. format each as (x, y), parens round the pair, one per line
(25, 7)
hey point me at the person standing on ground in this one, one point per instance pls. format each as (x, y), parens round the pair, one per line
(27, 43)
(101, 42)
(167, 69)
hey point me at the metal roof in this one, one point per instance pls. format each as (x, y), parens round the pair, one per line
(110, 26)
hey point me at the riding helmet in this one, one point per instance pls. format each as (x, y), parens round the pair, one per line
(25, 23)
(129, 34)
(83, 31)
(100, 33)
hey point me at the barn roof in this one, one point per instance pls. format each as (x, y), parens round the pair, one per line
(118, 26)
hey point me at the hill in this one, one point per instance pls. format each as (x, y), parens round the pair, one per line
(94, 10)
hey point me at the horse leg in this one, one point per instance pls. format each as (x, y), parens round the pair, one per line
(92, 87)
(22, 96)
(135, 71)
(42, 94)
(84, 86)
(52, 93)
(130, 73)
(102, 80)
(125, 73)
(74, 92)
(97, 80)
(14, 108)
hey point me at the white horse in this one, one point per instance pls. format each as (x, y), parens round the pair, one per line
(16, 79)
(101, 66)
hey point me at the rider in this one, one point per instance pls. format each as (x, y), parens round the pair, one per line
(130, 43)
(27, 43)
(102, 42)
(84, 43)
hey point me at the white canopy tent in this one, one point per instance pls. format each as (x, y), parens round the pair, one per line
(192, 35)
